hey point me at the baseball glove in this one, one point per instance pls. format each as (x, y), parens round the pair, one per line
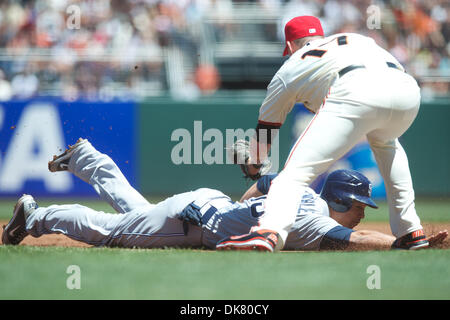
(191, 214)
(240, 153)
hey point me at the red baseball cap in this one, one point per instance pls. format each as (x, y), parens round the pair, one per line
(300, 27)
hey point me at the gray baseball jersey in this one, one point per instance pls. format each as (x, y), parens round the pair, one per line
(145, 225)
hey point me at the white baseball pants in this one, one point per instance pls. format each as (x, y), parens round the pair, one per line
(379, 106)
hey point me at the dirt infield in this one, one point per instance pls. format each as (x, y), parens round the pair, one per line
(429, 228)
(60, 240)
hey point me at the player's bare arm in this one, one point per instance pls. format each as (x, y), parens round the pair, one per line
(260, 145)
(374, 240)
(252, 192)
(259, 151)
(369, 240)
(260, 188)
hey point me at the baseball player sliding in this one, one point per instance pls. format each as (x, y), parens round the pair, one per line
(200, 218)
(357, 90)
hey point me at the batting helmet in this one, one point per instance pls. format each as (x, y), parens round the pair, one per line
(343, 186)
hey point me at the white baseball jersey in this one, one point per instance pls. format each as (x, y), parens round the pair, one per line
(357, 91)
(308, 74)
(145, 225)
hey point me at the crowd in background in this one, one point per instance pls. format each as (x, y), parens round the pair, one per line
(62, 44)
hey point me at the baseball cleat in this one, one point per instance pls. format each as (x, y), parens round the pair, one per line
(412, 241)
(61, 162)
(261, 240)
(15, 231)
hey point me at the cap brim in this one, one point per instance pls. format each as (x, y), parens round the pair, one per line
(367, 201)
(372, 204)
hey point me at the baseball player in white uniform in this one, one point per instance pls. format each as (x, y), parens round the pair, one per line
(357, 90)
(200, 218)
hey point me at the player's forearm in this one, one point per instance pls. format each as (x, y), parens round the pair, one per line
(259, 151)
(261, 143)
(252, 192)
(370, 240)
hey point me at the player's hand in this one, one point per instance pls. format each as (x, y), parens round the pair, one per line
(240, 153)
(434, 240)
(252, 170)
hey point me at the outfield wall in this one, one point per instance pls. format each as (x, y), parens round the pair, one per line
(165, 146)
(32, 131)
(171, 129)
(427, 143)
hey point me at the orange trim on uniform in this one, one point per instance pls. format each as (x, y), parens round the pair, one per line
(270, 123)
(418, 233)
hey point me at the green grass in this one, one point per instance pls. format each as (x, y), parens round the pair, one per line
(172, 274)
(28, 272)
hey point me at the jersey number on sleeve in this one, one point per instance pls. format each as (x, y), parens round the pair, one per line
(319, 53)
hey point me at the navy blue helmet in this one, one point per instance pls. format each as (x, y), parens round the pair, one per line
(343, 186)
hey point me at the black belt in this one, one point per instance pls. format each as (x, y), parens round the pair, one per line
(354, 66)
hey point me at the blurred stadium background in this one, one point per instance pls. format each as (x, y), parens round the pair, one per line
(127, 73)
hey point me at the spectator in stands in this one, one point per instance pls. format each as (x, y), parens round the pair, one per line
(25, 84)
(130, 31)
